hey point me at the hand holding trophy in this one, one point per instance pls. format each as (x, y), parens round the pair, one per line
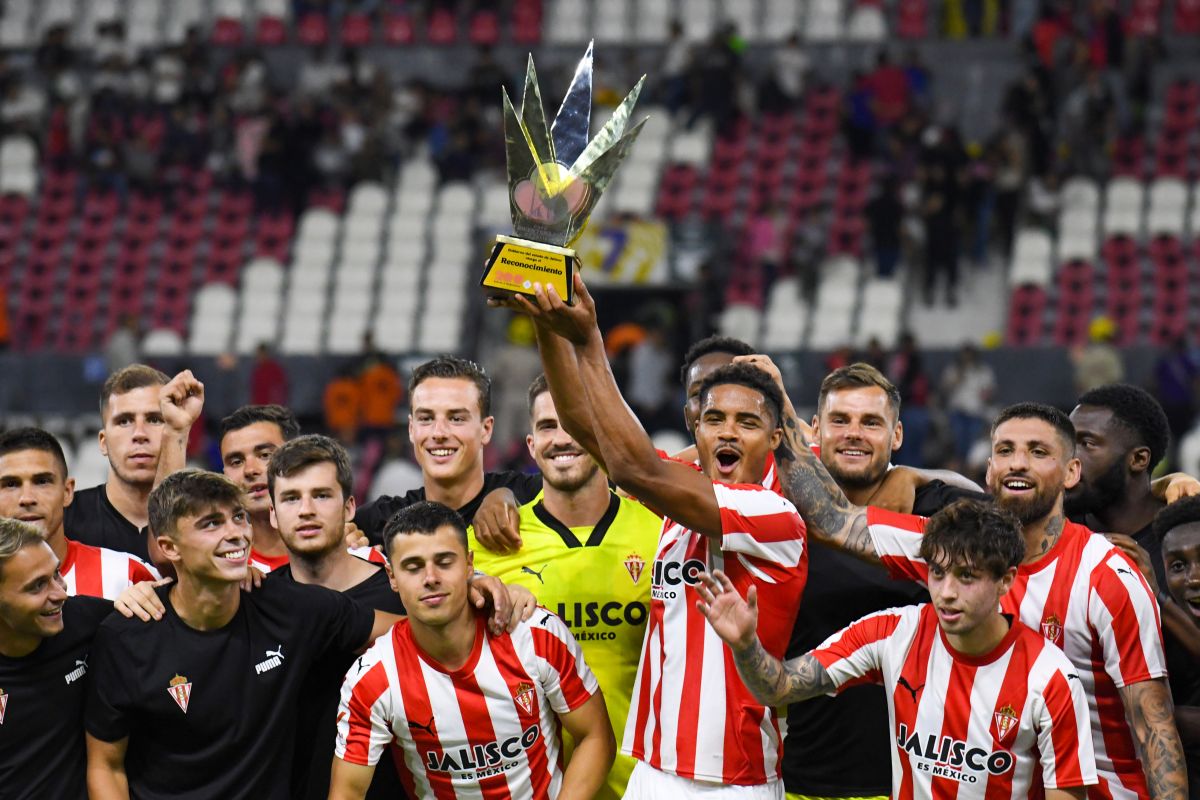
(555, 178)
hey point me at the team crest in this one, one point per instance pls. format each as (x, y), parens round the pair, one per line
(3, 704)
(1052, 629)
(1006, 720)
(634, 564)
(180, 690)
(523, 694)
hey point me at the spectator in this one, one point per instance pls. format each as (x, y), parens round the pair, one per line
(341, 402)
(676, 69)
(906, 370)
(381, 391)
(123, 345)
(968, 385)
(884, 213)
(651, 369)
(1177, 379)
(764, 241)
(920, 81)
(859, 121)
(1008, 154)
(268, 379)
(783, 87)
(889, 91)
(939, 205)
(1099, 362)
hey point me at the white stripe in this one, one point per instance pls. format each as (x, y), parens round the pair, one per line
(752, 502)
(787, 552)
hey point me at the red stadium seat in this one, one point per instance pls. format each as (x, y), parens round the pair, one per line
(398, 29)
(443, 27)
(313, 30)
(270, 31)
(356, 29)
(527, 22)
(484, 28)
(227, 32)
(1026, 311)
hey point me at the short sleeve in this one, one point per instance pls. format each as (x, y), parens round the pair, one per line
(140, 571)
(363, 731)
(108, 703)
(1125, 616)
(897, 540)
(565, 677)
(854, 655)
(372, 517)
(1064, 732)
(339, 623)
(761, 524)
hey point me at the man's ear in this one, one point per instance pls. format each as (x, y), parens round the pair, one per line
(103, 443)
(897, 436)
(1138, 460)
(488, 423)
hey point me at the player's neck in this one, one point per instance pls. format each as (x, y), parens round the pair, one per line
(581, 508)
(16, 645)
(58, 543)
(129, 499)
(1130, 511)
(336, 570)
(861, 495)
(455, 492)
(983, 638)
(265, 537)
(451, 644)
(1043, 534)
(204, 605)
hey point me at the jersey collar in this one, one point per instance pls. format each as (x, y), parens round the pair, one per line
(569, 538)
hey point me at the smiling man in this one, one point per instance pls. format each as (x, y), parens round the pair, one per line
(34, 488)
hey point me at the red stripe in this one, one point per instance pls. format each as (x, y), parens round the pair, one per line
(1116, 737)
(414, 695)
(138, 572)
(689, 702)
(743, 760)
(1057, 696)
(478, 721)
(956, 716)
(1126, 627)
(656, 703)
(1014, 691)
(560, 657)
(510, 666)
(89, 572)
(914, 671)
(366, 691)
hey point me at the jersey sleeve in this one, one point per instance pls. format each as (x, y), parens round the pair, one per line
(363, 729)
(1064, 732)
(106, 713)
(565, 677)
(140, 571)
(763, 526)
(854, 655)
(339, 623)
(897, 540)
(1124, 615)
(372, 517)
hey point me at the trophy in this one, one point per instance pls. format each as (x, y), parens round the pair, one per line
(555, 178)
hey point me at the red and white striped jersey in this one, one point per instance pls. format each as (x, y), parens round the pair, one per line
(1088, 598)
(968, 727)
(100, 572)
(265, 564)
(690, 714)
(487, 731)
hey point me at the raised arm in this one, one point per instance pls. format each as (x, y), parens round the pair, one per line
(1151, 715)
(181, 401)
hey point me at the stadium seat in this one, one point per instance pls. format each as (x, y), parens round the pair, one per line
(356, 29)
(1031, 259)
(741, 322)
(162, 342)
(866, 24)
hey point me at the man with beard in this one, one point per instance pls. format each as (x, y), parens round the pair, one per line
(1081, 592)
(584, 557)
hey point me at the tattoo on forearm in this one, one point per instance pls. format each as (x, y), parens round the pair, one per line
(775, 683)
(1152, 718)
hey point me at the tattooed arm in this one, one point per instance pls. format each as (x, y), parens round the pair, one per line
(1151, 717)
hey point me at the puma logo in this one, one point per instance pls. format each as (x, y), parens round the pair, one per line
(1124, 571)
(904, 682)
(536, 574)
(545, 618)
(427, 728)
(1071, 676)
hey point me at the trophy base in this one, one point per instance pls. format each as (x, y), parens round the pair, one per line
(517, 264)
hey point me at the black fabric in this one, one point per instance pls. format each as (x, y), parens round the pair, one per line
(373, 516)
(42, 752)
(595, 538)
(841, 747)
(237, 736)
(316, 727)
(93, 519)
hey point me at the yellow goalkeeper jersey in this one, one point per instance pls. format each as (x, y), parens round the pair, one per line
(598, 580)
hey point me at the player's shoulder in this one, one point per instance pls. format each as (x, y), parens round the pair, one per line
(752, 499)
(886, 518)
(543, 619)
(83, 615)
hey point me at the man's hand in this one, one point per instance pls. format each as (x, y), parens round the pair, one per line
(484, 589)
(141, 601)
(898, 491)
(355, 537)
(497, 523)
(764, 363)
(735, 620)
(575, 322)
(522, 602)
(181, 401)
(253, 580)
(1139, 555)
(1177, 486)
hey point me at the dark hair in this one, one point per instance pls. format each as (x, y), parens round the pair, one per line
(423, 517)
(455, 367)
(1181, 512)
(246, 416)
(187, 492)
(1046, 413)
(304, 451)
(1138, 412)
(15, 536)
(125, 380)
(536, 390)
(751, 377)
(974, 533)
(33, 439)
(712, 344)
(859, 375)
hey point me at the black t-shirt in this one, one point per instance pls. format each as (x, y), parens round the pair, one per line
(372, 517)
(213, 713)
(93, 519)
(841, 746)
(316, 728)
(42, 695)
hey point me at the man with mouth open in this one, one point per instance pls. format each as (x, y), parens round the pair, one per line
(1079, 591)
(978, 700)
(693, 726)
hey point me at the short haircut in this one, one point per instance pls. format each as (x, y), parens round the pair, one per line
(246, 416)
(974, 533)
(15, 536)
(188, 492)
(1046, 413)
(305, 451)
(859, 375)
(1138, 412)
(125, 380)
(712, 344)
(751, 377)
(1181, 512)
(536, 389)
(423, 517)
(19, 439)
(456, 367)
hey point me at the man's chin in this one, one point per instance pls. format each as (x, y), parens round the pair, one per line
(140, 478)
(863, 478)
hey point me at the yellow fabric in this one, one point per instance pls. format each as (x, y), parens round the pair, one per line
(602, 592)
(794, 796)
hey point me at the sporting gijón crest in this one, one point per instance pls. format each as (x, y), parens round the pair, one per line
(523, 694)
(634, 564)
(1052, 629)
(1006, 720)
(180, 689)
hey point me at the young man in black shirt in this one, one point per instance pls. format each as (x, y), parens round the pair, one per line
(205, 702)
(44, 642)
(113, 514)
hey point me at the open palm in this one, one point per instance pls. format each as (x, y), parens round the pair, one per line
(735, 620)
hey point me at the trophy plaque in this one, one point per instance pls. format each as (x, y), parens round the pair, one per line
(555, 177)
